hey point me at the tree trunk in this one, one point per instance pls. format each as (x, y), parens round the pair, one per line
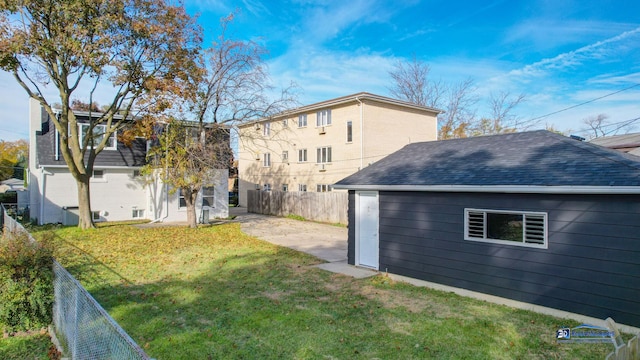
(190, 200)
(85, 220)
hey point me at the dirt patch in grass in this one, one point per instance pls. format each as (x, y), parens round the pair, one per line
(391, 300)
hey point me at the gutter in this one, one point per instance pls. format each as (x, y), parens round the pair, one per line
(508, 189)
(343, 100)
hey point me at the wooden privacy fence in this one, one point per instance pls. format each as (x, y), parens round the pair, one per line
(329, 207)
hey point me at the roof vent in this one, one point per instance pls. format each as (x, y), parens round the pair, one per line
(576, 137)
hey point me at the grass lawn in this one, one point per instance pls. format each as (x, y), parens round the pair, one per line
(217, 293)
(33, 346)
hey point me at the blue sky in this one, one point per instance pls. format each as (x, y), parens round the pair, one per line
(558, 53)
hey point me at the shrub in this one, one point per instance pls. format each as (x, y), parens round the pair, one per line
(26, 282)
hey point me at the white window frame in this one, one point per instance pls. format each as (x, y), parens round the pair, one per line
(95, 215)
(266, 129)
(266, 160)
(181, 196)
(302, 155)
(111, 145)
(285, 187)
(206, 195)
(137, 213)
(285, 123)
(534, 231)
(285, 156)
(323, 155)
(266, 187)
(302, 120)
(302, 187)
(97, 177)
(323, 118)
(349, 131)
(323, 188)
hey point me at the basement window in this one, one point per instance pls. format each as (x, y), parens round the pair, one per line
(506, 227)
(137, 214)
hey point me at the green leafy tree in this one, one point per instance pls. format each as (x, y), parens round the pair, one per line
(138, 47)
(13, 158)
(231, 87)
(187, 163)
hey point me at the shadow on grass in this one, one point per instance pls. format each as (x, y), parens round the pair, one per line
(34, 346)
(243, 298)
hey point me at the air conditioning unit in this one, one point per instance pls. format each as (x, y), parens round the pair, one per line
(322, 168)
(321, 130)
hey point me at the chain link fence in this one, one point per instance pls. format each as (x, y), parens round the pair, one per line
(85, 329)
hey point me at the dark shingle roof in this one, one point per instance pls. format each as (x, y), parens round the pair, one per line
(536, 158)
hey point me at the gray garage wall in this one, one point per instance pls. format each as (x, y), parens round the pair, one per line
(591, 266)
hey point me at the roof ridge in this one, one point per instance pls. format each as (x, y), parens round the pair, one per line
(599, 150)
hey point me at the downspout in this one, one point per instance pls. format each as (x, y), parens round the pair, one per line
(361, 132)
(43, 187)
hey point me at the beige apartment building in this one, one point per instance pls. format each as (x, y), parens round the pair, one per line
(311, 147)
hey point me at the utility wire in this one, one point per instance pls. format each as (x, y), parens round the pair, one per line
(584, 103)
(621, 124)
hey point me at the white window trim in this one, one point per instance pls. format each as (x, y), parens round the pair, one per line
(212, 196)
(285, 156)
(323, 118)
(138, 212)
(302, 123)
(507, 242)
(114, 135)
(302, 187)
(102, 179)
(180, 195)
(323, 188)
(349, 125)
(266, 160)
(266, 130)
(306, 155)
(328, 153)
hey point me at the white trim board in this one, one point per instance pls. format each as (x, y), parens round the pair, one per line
(510, 189)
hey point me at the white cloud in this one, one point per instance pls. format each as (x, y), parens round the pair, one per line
(614, 79)
(549, 33)
(565, 62)
(324, 75)
(257, 8)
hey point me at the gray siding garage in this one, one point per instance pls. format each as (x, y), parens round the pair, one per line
(566, 239)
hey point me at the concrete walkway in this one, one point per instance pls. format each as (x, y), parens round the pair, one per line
(323, 241)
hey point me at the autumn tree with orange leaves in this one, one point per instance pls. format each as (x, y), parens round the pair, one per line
(136, 47)
(232, 87)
